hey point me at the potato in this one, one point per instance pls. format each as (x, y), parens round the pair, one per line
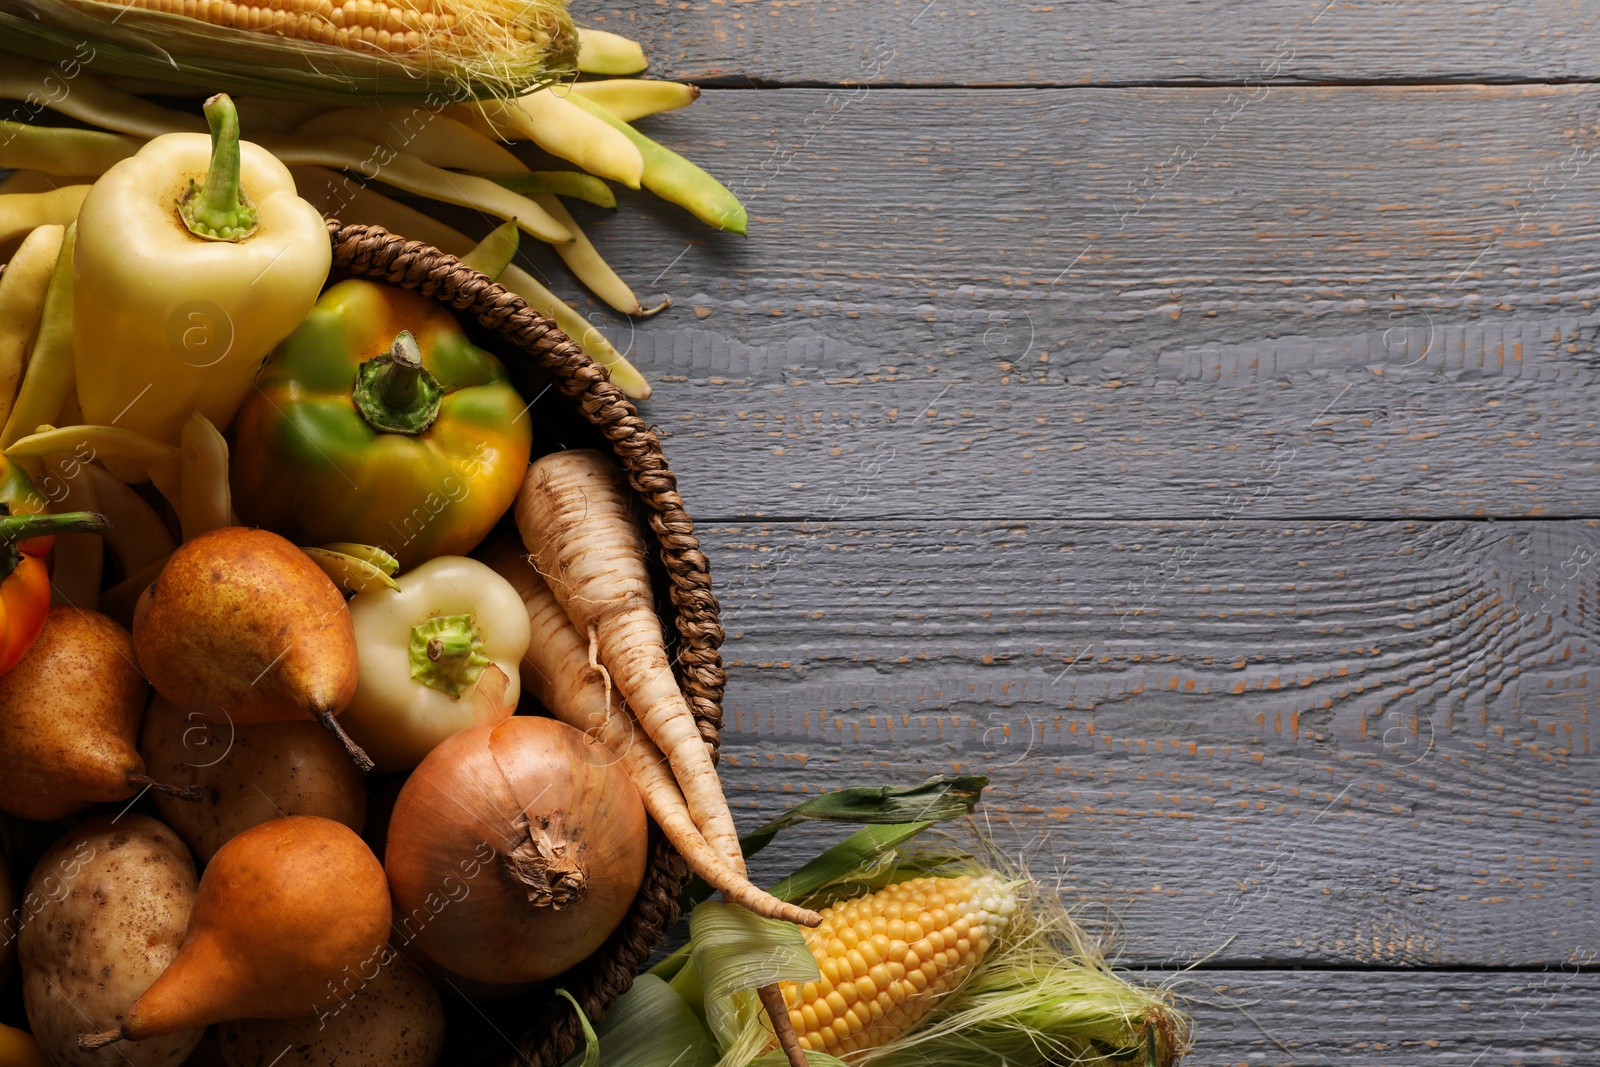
(103, 915)
(250, 774)
(395, 1019)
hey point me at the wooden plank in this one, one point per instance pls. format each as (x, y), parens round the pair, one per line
(1350, 301)
(1352, 743)
(1132, 42)
(1376, 1019)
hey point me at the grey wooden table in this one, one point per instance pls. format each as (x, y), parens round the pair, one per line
(1185, 414)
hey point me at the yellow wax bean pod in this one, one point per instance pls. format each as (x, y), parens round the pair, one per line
(119, 601)
(584, 260)
(48, 380)
(349, 573)
(431, 136)
(23, 288)
(22, 212)
(268, 114)
(207, 498)
(137, 536)
(90, 100)
(59, 150)
(159, 463)
(342, 197)
(634, 98)
(407, 172)
(37, 181)
(602, 52)
(78, 559)
(561, 128)
(494, 253)
(571, 183)
(369, 554)
(675, 179)
(624, 375)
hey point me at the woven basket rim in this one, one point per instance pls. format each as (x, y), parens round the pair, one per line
(547, 1030)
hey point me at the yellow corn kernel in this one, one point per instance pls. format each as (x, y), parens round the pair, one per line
(393, 27)
(887, 958)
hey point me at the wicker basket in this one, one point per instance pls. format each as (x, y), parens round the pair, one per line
(539, 1028)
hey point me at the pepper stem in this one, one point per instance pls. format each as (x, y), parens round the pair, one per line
(447, 654)
(395, 393)
(17, 528)
(220, 210)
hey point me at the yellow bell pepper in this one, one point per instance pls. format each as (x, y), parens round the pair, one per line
(183, 287)
(423, 646)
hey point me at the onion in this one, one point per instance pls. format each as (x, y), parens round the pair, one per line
(515, 849)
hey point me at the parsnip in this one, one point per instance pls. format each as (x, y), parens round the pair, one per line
(556, 670)
(573, 515)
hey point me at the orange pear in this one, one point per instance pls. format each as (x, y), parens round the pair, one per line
(288, 915)
(69, 717)
(242, 627)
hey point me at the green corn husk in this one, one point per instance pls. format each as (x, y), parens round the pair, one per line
(484, 58)
(940, 797)
(1043, 996)
(649, 1025)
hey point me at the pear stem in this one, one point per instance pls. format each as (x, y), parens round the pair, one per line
(357, 755)
(192, 793)
(99, 1039)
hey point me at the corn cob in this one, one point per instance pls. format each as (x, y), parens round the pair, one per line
(887, 959)
(399, 26)
(377, 51)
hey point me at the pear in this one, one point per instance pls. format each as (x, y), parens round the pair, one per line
(246, 774)
(242, 627)
(69, 717)
(288, 914)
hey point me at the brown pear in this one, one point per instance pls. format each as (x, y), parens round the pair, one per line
(287, 914)
(246, 774)
(242, 627)
(69, 719)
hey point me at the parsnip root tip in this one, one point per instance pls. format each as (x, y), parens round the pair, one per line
(596, 665)
(357, 755)
(782, 1025)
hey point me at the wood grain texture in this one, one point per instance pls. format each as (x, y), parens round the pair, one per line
(1323, 743)
(1389, 1020)
(1130, 42)
(1381, 301)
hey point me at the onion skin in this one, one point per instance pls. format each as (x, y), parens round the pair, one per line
(514, 850)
